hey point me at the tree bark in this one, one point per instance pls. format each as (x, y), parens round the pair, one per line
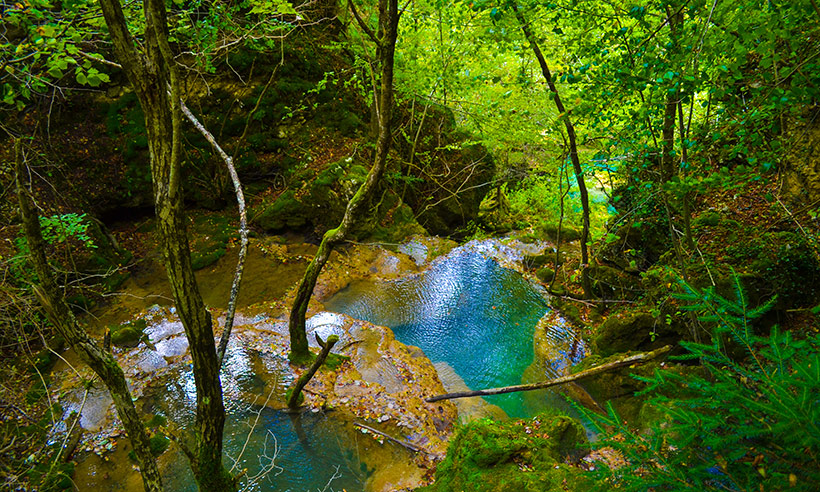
(101, 362)
(386, 46)
(151, 73)
(609, 366)
(573, 147)
(304, 379)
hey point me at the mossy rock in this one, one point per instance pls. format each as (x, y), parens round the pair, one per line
(617, 386)
(640, 244)
(316, 200)
(566, 308)
(625, 332)
(547, 258)
(707, 219)
(774, 263)
(285, 212)
(494, 212)
(549, 231)
(545, 274)
(612, 283)
(516, 455)
(129, 334)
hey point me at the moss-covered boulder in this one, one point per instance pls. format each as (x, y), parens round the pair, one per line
(546, 259)
(773, 263)
(613, 283)
(128, 334)
(316, 198)
(517, 455)
(211, 234)
(636, 245)
(549, 230)
(627, 331)
(617, 387)
(567, 308)
(316, 202)
(545, 274)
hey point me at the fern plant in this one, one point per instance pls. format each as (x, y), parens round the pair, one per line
(746, 422)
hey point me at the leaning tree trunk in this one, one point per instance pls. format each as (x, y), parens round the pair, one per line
(386, 47)
(61, 316)
(152, 73)
(573, 148)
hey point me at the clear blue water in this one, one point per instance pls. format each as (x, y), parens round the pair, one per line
(467, 311)
(291, 456)
(308, 451)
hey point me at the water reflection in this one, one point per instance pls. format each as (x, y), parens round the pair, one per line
(283, 452)
(465, 310)
(279, 450)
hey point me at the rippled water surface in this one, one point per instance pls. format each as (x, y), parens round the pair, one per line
(292, 452)
(465, 310)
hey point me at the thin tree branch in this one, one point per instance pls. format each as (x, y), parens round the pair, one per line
(243, 233)
(361, 23)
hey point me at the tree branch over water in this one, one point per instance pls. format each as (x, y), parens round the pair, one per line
(609, 366)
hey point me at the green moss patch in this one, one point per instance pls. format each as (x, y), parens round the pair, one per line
(129, 334)
(523, 455)
(211, 235)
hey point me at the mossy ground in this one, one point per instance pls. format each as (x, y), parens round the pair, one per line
(210, 235)
(517, 455)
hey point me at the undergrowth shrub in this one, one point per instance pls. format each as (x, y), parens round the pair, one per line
(752, 422)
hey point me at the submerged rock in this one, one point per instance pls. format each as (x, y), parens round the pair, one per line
(469, 409)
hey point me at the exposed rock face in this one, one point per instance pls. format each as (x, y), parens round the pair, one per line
(801, 179)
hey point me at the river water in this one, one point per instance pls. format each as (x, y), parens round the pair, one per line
(467, 313)
(474, 318)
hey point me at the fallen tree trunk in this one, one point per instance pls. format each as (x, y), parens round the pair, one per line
(627, 361)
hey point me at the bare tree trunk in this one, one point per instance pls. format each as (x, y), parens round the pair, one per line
(304, 379)
(573, 148)
(99, 360)
(151, 73)
(386, 47)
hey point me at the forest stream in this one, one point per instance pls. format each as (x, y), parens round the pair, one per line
(480, 322)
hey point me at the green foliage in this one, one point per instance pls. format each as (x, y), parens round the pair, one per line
(42, 48)
(535, 202)
(752, 423)
(57, 230)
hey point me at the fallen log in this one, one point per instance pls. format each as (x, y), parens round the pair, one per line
(626, 361)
